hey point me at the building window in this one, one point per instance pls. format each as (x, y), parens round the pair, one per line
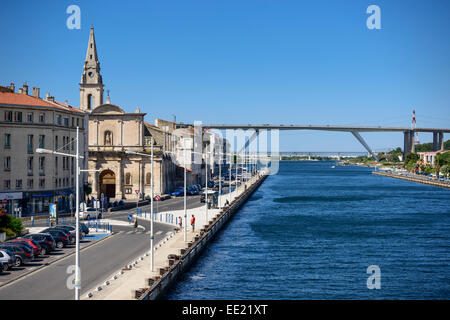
(7, 140)
(56, 166)
(30, 117)
(7, 184)
(30, 166)
(56, 143)
(73, 122)
(42, 117)
(72, 143)
(17, 116)
(7, 164)
(30, 183)
(128, 191)
(41, 183)
(19, 184)
(30, 143)
(8, 116)
(66, 121)
(128, 178)
(71, 166)
(41, 166)
(78, 122)
(148, 178)
(41, 141)
(71, 180)
(58, 120)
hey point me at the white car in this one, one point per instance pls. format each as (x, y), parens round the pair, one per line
(90, 213)
(7, 259)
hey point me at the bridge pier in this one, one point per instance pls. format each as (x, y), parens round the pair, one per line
(438, 141)
(408, 142)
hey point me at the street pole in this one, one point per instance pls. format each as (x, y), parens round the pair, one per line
(220, 176)
(152, 236)
(77, 237)
(236, 178)
(185, 209)
(229, 178)
(206, 184)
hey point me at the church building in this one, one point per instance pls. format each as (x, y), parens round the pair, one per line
(120, 142)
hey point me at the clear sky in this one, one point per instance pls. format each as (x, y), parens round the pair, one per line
(246, 61)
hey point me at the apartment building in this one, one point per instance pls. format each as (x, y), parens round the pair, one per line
(30, 181)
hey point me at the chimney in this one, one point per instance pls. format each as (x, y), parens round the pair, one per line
(48, 97)
(12, 87)
(25, 89)
(36, 92)
(20, 90)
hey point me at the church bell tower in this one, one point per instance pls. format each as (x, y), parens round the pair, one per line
(91, 86)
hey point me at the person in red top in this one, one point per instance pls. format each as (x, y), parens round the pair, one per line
(193, 223)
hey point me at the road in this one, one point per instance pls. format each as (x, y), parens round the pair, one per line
(98, 262)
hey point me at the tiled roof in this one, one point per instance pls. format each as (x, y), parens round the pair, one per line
(20, 99)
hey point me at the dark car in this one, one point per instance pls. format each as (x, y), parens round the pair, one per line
(83, 228)
(70, 236)
(45, 240)
(61, 238)
(72, 229)
(22, 253)
(178, 192)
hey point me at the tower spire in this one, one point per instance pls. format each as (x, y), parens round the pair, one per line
(91, 86)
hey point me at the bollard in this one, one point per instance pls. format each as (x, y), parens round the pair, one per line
(32, 221)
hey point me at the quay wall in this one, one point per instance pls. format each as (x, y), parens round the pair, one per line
(435, 183)
(180, 265)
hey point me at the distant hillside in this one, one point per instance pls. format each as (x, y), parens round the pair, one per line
(426, 147)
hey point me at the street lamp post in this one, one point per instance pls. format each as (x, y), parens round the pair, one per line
(220, 176)
(152, 236)
(184, 200)
(77, 201)
(206, 184)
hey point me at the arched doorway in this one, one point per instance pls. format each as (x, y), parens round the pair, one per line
(108, 184)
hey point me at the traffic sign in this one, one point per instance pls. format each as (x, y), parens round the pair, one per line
(137, 191)
(157, 197)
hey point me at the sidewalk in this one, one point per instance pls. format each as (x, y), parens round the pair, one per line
(123, 284)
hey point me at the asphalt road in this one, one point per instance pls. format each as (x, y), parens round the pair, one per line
(98, 262)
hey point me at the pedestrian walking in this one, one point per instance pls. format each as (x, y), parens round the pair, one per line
(135, 224)
(193, 223)
(180, 222)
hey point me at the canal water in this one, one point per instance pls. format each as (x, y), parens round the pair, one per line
(311, 232)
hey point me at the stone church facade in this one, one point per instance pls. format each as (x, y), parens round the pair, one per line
(112, 132)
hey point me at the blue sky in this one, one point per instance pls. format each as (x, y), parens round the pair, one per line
(246, 61)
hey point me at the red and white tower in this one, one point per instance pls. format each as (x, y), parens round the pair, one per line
(414, 126)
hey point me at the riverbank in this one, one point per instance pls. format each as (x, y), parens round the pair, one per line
(173, 255)
(422, 180)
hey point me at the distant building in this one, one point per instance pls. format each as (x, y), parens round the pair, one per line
(429, 157)
(29, 180)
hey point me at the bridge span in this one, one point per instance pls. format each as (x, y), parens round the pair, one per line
(438, 133)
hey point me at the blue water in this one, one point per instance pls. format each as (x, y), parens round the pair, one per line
(311, 231)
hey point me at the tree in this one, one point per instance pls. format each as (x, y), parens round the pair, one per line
(441, 160)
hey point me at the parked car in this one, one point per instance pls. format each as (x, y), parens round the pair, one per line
(84, 230)
(45, 240)
(7, 258)
(22, 253)
(61, 238)
(90, 213)
(36, 247)
(69, 235)
(178, 192)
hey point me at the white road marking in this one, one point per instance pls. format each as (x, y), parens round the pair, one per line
(159, 232)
